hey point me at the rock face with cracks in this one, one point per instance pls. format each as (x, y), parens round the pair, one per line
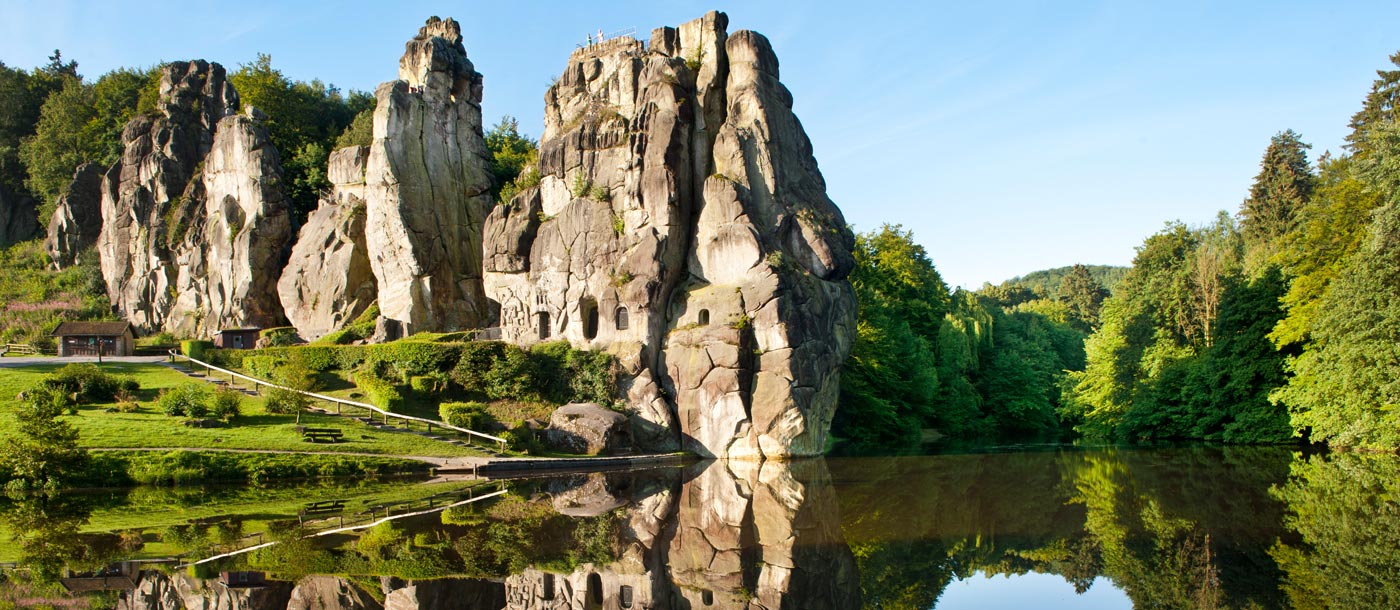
(682, 224)
(427, 187)
(194, 221)
(77, 219)
(328, 281)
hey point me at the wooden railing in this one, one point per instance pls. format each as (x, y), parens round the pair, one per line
(351, 528)
(340, 402)
(20, 348)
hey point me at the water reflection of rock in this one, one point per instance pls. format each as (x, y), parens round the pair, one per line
(734, 535)
(160, 591)
(723, 535)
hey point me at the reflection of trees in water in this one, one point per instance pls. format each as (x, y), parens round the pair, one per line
(45, 526)
(1175, 528)
(1346, 510)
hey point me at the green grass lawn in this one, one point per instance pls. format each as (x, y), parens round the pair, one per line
(255, 429)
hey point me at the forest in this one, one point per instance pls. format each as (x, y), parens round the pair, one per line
(1276, 323)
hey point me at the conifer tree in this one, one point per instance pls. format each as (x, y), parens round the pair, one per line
(1284, 184)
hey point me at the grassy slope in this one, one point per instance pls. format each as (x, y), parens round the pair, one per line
(256, 429)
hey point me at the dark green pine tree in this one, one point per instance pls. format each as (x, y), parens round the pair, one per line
(1382, 103)
(1285, 182)
(1084, 295)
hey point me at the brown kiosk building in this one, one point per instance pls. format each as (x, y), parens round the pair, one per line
(86, 338)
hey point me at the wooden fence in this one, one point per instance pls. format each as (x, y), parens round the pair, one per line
(340, 403)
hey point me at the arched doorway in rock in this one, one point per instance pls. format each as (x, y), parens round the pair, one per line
(593, 597)
(588, 310)
(543, 320)
(704, 318)
(621, 318)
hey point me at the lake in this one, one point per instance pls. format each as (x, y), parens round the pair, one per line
(1050, 527)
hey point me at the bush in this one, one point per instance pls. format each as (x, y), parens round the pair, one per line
(380, 392)
(512, 377)
(278, 337)
(261, 366)
(226, 404)
(475, 363)
(522, 438)
(548, 372)
(88, 383)
(196, 349)
(189, 400)
(469, 415)
(361, 328)
(296, 376)
(285, 402)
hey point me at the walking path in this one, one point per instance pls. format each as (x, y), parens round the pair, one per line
(10, 361)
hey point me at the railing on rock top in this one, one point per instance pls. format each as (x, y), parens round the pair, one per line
(341, 402)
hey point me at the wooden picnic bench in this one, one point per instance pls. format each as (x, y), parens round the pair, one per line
(324, 507)
(319, 434)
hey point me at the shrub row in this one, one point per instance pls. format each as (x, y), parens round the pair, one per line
(469, 415)
(379, 391)
(407, 357)
(196, 400)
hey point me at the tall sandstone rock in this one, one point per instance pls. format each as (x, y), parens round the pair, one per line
(328, 281)
(427, 186)
(77, 219)
(194, 221)
(681, 223)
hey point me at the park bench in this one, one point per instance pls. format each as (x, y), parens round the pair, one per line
(324, 507)
(319, 434)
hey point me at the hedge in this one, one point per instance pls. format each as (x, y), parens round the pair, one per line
(380, 392)
(195, 348)
(469, 415)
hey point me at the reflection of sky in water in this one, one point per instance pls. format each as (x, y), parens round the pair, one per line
(1041, 591)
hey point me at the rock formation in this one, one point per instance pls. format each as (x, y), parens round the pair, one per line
(736, 535)
(681, 223)
(18, 220)
(328, 281)
(330, 593)
(194, 225)
(585, 427)
(77, 220)
(427, 186)
(764, 535)
(159, 591)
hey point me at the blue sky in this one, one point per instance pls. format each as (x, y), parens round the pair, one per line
(1008, 136)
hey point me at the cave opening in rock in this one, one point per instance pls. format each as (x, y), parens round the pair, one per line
(622, 321)
(588, 310)
(704, 318)
(594, 596)
(544, 325)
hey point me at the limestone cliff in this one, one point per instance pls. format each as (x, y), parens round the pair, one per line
(681, 223)
(427, 186)
(78, 217)
(194, 223)
(328, 281)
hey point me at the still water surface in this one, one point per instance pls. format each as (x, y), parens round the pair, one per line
(1056, 528)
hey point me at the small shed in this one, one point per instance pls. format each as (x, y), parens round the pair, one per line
(237, 338)
(95, 339)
